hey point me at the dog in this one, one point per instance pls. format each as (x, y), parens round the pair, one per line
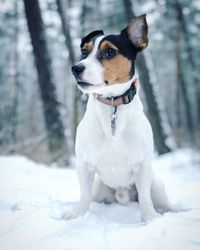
(114, 141)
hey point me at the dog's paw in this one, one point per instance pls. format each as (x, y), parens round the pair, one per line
(74, 214)
(166, 208)
(145, 217)
(70, 216)
(179, 207)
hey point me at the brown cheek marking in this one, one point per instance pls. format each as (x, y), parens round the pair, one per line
(88, 46)
(116, 70)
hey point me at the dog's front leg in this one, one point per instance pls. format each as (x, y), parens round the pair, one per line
(86, 179)
(143, 183)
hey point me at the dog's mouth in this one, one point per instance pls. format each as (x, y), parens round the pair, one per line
(88, 88)
(83, 84)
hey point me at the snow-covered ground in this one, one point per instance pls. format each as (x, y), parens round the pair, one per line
(33, 198)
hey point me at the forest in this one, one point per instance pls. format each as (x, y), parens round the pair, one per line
(41, 107)
(40, 104)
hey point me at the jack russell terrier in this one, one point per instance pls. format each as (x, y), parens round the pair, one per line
(114, 142)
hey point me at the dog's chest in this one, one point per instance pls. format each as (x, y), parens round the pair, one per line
(115, 158)
(115, 165)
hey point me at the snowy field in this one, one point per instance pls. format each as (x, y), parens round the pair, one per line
(33, 198)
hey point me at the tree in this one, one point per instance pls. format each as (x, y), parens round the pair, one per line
(54, 125)
(189, 50)
(185, 64)
(66, 30)
(62, 10)
(181, 84)
(16, 84)
(161, 136)
(69, 45)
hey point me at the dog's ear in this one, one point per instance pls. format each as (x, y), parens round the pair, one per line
(137, 31)
(90, 36)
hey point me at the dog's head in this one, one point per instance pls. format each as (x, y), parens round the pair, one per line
(107, 66)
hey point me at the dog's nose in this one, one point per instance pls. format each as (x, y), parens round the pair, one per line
(78, 69)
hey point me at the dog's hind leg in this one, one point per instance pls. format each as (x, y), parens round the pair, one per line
(159, 197)
(101, 192)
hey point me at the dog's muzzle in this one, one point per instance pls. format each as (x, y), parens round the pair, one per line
(77, 70)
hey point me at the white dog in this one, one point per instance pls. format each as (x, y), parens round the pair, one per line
(114, 142)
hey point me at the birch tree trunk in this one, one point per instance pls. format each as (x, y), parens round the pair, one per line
(181, 86)
(54, 125)
(161, 136)
(68, 41)
(14, 120)
(189, 50)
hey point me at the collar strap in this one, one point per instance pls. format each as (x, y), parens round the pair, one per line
(126, 98)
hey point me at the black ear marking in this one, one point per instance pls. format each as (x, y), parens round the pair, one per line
(137, 31)
(90, 36)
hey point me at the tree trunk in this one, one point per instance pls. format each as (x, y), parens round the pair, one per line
(181, 27)
(161, 137)
(54, 125)
(83, 17)
(14, 120)
(68, 40)
(178, 82)
(189, 50)
(66, 30)
(181, 85)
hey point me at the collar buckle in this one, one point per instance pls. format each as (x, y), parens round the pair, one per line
(113, 116)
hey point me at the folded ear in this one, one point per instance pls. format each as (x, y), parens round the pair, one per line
(90, 36)
(137, 31)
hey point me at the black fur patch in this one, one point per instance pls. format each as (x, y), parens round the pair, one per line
(91, 36)
(124, 45)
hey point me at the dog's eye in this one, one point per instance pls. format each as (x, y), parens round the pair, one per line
(108, 53)
(84, 53)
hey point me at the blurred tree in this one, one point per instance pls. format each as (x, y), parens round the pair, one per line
(181, 83)
(56, 136)
(171, 64)
(190, 53)
(187, 110)
(160, 135)
(8, 24)
(14, 120)
(62, 10)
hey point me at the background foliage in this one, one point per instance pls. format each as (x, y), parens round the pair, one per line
(172, 59)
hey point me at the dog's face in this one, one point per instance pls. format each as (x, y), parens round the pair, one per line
(107, 63)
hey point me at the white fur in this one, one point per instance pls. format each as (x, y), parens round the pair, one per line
(108, 165)
(93, 72)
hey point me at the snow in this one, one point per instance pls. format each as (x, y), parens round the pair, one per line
(33, 198)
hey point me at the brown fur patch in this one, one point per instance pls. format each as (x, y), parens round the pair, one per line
(88, 46)
(116, 69)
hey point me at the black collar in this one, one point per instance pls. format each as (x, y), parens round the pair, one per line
(125, 98)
